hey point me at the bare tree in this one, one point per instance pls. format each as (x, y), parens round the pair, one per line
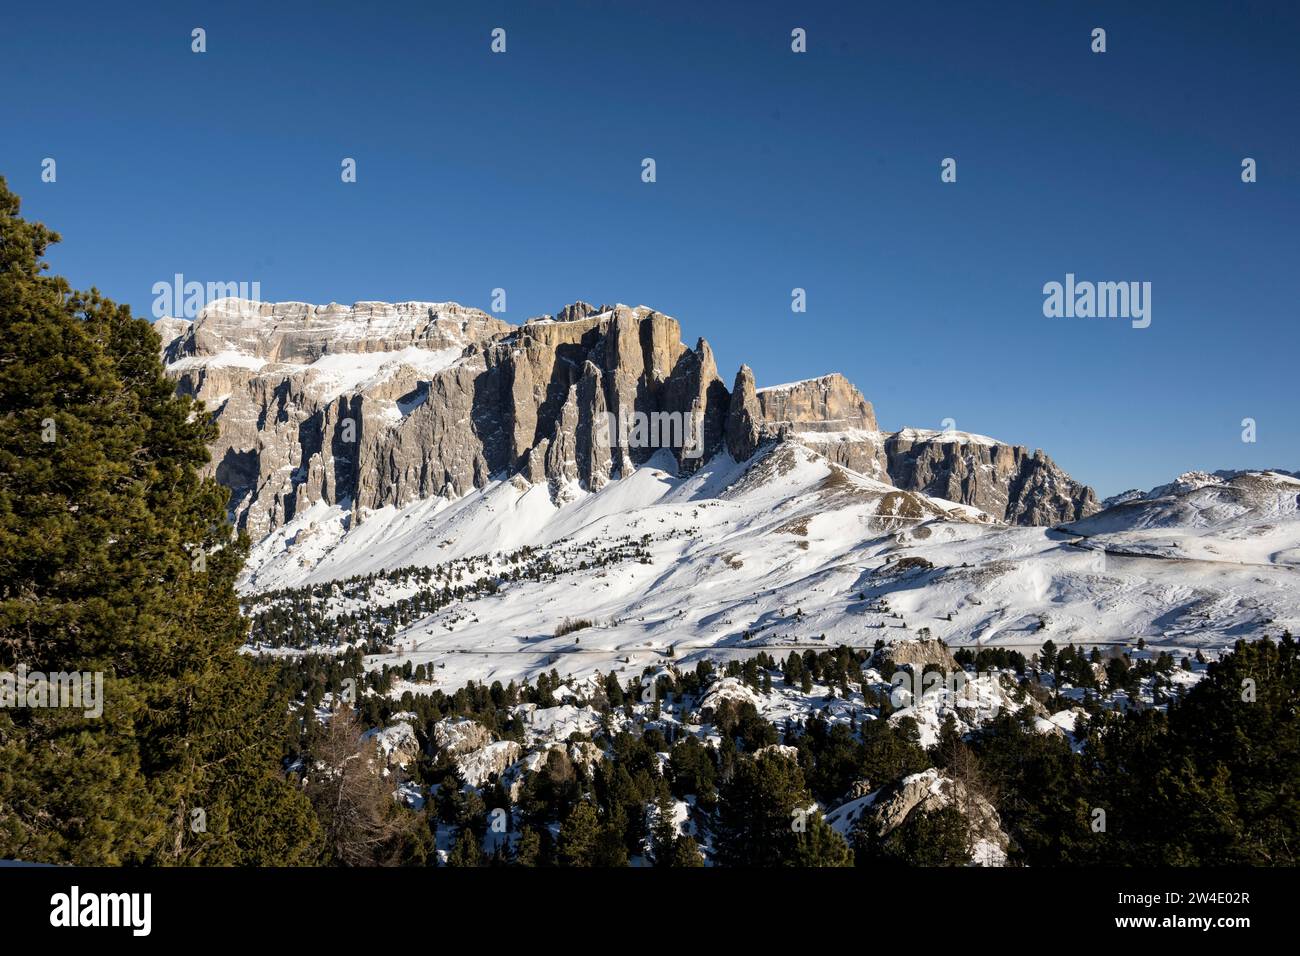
(363, 824)
(963, 766)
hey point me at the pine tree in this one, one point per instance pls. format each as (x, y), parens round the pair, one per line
(686, 853)
(819, 845)
(528, 849)
(466, 850)
(759, 810)
(610, 850)
(579, 836)
(116, 558)
(935, 838)
(664, 832)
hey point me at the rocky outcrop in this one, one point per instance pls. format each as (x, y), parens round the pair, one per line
(453, 736)
(744, 428)
(478, 767)
(931, 791)
(396, 745)
(1003, 480)
(170, 329)
(375, 405)
(727, 689)
(829, 415)
(378, 404)
(919, 654)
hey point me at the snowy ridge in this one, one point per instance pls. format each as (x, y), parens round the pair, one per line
(787, 551)
(824, 380)
(1250, 518)
(261, 329)
(947, 435)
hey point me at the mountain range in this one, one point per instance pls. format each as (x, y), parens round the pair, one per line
(364, 441)
(380, 404)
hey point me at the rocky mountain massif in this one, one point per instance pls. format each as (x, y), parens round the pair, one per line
(382, 404)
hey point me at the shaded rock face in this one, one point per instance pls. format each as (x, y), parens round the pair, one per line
(860, 789)
(744, 428)
(397, 745)
(830, 415)
(454, 736)
(375, 404)
(380, 404)
(1004, 480)
(369, 404)
(478, 767)
(565, 394)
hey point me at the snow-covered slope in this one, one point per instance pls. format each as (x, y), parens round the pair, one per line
(783, 490)
(1239, 517)
(786, 550)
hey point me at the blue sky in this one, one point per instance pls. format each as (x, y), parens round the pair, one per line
(775, 170)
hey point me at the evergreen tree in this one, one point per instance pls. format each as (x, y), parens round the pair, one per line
(1048, 657)
(686, 853)
(692, 772)
(528, 849)
(663, 834)
(466, 850)
(935, 838)
(819, 845)
(579, 836)
(116, 559)
(758, 811)
(611, 848)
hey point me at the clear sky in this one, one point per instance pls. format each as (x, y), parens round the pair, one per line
(775, 170)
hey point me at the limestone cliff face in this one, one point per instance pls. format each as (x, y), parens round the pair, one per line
(556, 383)
(379, 404)
(1007, 481)
(830, 416)
(375, 404)
(370, 404)
(298, 333)
(744, 427)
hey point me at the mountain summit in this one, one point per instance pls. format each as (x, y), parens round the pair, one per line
(378, 404)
